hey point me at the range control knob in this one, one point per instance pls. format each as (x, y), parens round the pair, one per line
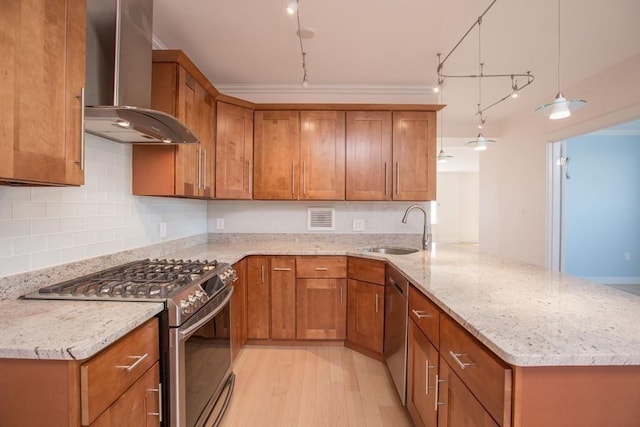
(185, 307)
(201, 296)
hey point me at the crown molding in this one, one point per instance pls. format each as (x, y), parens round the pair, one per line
(234, 89)
(614, 132)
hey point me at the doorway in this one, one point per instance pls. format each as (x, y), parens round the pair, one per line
(594, 217)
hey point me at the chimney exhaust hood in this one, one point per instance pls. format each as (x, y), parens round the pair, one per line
(118, 93)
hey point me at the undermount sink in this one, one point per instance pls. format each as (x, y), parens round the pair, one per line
(391, 251)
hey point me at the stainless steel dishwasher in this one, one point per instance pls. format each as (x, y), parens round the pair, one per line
(395, 329)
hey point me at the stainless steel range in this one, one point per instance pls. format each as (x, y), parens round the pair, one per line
(195, 327)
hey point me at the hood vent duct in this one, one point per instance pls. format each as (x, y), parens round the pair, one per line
(119, 61)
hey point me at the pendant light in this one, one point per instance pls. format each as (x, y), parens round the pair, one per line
(480, 143)
(441, 157)
(560, 107)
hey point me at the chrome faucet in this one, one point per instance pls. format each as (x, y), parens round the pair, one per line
(426, 233)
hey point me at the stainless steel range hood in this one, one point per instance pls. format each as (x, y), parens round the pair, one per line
(118, 94)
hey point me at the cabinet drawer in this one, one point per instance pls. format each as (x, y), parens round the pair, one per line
(366, 270)
(483, 373)
(425, 314)
(321, 266)
(111, 372)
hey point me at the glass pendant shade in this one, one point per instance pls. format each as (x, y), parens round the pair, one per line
(561, 107)
(442, 158)
(480, 143)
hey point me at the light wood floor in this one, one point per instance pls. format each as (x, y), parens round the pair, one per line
(312, 386)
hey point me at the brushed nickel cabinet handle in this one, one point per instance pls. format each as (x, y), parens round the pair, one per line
(458, 361)
(293, 179)
(159, 391)
(341, 299)
(435, 399)
(420, 314)
(386, 180)
(397, 177)
(377, 297)
(281, 269)
(262, 272)
(248, 176)
(321, 268)
(82, 135)
(304, 180)
(131, 367)
(204, 169)
(426, 387)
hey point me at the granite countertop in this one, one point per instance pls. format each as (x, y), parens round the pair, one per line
(525, 314)
(39, 329)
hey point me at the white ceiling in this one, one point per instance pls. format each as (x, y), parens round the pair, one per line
(393, 44)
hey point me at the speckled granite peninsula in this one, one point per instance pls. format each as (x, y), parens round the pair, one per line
(525, 314)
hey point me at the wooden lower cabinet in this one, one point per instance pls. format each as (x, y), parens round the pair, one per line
(283, 298)
(365, 315)
(99, 391)
(258, 296)
(422, 374)
(458, 406)
(138, 406)
(239, 309)
(321, 309)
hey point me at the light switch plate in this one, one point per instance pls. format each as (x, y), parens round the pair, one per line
(219, 223)
(162, 230)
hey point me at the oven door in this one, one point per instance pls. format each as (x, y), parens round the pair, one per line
(200, 362)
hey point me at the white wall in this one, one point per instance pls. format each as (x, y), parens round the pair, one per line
(291, 217)
(513, 177)
(457, 208)
(47, 226)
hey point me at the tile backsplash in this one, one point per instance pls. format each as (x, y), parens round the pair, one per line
(46, 226)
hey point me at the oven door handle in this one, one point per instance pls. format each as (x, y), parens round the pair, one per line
(191, 329)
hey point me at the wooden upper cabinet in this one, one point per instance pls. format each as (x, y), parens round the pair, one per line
(276, 155)
(179, 170)
(234, 151)
(322, 150)
(414, 153)
(369, 155)
(43, 75)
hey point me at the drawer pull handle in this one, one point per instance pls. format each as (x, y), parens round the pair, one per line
(460, 363)
(421, 314)
(341, 298)
(377, 297)
(131, 367)
(321, 268)
(281, 269)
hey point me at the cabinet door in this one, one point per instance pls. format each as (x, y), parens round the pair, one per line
(414, 155)
(43, 56)
(206, 132)
(138, 406)
(276, 155)
(322, 150)
(258, 272)
(459, 407)
(365, 314)
(238, 309)
(234, 152)
(187, 156)
(422, 369)
(321, 309)
(283, 297)
(369, 152)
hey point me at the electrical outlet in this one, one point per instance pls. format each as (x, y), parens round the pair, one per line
(162, 230)
(219, 223)
(627, 256)
(358, 225)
